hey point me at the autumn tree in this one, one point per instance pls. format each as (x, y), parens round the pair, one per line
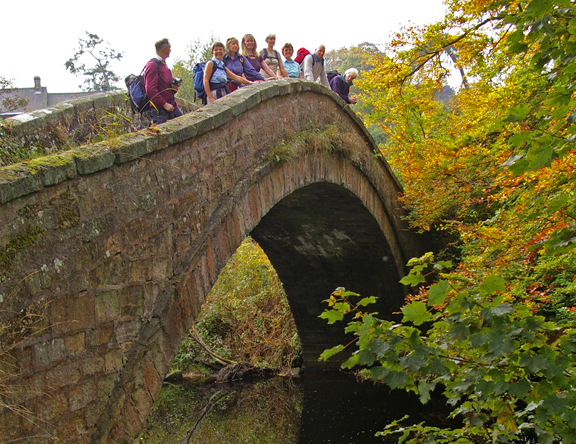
(99, 76)
(494, 168)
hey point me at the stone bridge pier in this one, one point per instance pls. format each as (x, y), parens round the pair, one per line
(114, 246)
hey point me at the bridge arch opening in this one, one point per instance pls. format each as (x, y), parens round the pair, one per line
(321, 237)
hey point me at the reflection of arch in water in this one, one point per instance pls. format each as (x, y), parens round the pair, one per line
(130, 238)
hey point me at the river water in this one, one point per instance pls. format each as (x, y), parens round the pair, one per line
(316, 407)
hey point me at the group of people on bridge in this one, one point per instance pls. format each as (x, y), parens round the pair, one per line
(228, 70)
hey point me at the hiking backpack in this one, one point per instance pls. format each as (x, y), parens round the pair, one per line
(332, 74)
(139, 100)
(300, 54)
(198, 72)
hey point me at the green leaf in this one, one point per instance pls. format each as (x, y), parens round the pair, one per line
(396, 379)
(379, 372)
(534, 363)
(326, 354)
(416, 312)
(502, 309)
(438, 293)
(518, 113)
(379, 347)
(413, 279)
(332, 316)
(366, 357)
(492, 284)
(424, 389)
(412, 362)
(519, 388)
(366, 301)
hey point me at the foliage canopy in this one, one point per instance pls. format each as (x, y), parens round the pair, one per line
(494, 170)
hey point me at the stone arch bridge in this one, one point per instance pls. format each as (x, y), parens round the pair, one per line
(115, 245)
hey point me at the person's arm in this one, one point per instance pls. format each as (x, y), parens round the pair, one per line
(267, 69)
(239, 79)
(281, 68)
(206, 80)
(307, 68)
(249, 71)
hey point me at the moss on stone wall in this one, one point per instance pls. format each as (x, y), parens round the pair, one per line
(327, 139)
(18, 243)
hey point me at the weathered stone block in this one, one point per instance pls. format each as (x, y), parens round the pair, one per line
(109, 272)
(53, 406)
(76, 343)
(18, 180)
(104, 334)
(113, 361)
(92, 364)
(132, 301)
(81, 395)
(107, 306)
(65, 374)
(93, 158)
(132, 146)
(49, 352)
(80, 311)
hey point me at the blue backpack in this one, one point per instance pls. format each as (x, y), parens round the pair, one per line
(198, 72)
(139, 100)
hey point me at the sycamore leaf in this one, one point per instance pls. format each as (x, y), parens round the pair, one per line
(366, 301)
(332, 316)
(501, 309)
(412, 279)
(492, 284)
(438, 293)
(330, 352)
(416, 312)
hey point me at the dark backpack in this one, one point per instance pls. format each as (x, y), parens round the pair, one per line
(332, 74)
(198, 72)
(139, 100)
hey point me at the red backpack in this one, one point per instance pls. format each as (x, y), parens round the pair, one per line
(300, 54)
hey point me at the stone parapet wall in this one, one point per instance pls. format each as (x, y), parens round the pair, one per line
(115, 245)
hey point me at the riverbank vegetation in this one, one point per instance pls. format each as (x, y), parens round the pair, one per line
(245, 319)
(493, 172)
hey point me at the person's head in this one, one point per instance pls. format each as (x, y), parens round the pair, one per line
(288, 51)
(163, 48)
(271, 39)
(232, 45)
(350, 74)
(248, 45)
(320, 51)
(218, 50)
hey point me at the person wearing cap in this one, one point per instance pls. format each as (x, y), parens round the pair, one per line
(159, 86)
(341, 84)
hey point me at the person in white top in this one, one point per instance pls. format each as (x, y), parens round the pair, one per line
(313, 67)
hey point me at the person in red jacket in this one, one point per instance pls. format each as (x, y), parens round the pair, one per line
(159, 85)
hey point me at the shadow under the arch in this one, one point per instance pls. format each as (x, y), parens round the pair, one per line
(319, 238)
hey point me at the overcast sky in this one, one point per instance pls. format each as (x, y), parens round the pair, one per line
(40, 36)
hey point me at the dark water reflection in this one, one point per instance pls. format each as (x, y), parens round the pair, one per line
(318, 407)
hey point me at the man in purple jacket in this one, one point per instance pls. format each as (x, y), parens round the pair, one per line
(341, 84)
(159, 86)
